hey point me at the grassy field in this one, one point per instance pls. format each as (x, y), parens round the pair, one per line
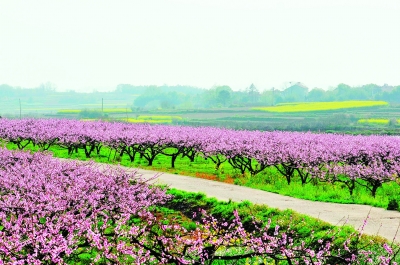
(321, 106)
(340, 117)
(268, 180)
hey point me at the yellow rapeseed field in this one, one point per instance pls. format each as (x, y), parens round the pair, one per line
(145, 119)
(321, 106)
(130, 120)
(152, 119)
(374, 121)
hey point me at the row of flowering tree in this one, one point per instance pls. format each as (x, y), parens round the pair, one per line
(369, 161)
(54, 212)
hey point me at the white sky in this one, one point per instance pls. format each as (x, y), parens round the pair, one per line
(86, 45)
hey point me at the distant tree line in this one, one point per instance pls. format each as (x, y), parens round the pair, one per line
(223, 96)
(189, 97)
(300, 93)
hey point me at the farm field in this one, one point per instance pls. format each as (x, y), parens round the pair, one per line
(342, 120)
(378, 121)
(152, 119)
(321, 106)
(148, 119)
(374, 121)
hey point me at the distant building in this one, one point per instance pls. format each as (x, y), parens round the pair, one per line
(387, 88)
(297, 92)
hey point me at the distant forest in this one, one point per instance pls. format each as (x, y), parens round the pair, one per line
(188, 97)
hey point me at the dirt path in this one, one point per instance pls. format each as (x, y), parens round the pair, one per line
(380, 222)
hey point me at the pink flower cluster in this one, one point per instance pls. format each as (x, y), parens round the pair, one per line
(48, 208)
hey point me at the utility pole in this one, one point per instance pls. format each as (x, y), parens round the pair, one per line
(20, 112)
(102, 106)
(272, 96)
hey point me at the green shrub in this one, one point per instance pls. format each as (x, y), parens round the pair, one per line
(393, 204)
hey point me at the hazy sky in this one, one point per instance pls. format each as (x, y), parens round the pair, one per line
(87, 45)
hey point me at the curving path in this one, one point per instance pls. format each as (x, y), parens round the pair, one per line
(380, 222)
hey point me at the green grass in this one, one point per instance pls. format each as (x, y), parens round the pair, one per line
(321, 106)
(325, 192)
(179, 210)
(268, 180)
(302, 224)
